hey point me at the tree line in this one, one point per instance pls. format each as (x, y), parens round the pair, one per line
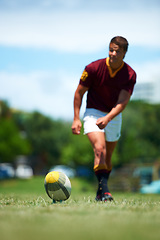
(49, 142)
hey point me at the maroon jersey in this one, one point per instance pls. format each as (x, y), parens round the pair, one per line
(104, 87)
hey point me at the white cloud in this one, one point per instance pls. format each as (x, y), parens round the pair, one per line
(49, 93)
(148, 71)
(148, 82)
(78, 31)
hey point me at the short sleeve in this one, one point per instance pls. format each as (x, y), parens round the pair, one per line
(87, 76)
(130, 85)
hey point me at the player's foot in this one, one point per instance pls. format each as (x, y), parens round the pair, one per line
(107, 197)
(98, 198)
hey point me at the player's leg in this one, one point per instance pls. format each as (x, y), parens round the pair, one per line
(98, 143)
(98, 138)
(110, 146)
(113, 132)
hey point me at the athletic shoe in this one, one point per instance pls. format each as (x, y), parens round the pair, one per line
(107, 197)
(98, 198)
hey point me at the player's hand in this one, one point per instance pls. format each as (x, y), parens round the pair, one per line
(76, 127)
(102, 122)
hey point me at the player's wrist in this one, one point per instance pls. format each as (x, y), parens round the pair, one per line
(108, 119)
(76, 119)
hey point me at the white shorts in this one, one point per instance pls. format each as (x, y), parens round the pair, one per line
(112, 130)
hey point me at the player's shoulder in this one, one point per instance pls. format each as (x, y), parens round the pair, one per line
(126, 65)
(96, 64)
(130, 71)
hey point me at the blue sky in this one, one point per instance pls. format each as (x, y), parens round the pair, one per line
(46, 44)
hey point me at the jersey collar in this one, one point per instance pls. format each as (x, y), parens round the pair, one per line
(110, 70)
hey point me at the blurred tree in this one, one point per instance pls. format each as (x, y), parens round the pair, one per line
(53, 143)
(5, 111)
(47, 138)
(12, 142)
(140, 132)
(78, 151)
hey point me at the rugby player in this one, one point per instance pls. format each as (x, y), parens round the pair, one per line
(109, 83)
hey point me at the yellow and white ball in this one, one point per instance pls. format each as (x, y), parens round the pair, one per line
(57, 186)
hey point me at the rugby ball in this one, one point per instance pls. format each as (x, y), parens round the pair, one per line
(57, 186)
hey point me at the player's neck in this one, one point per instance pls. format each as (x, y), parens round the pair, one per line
(115, 66)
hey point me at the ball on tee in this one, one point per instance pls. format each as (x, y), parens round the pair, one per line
(57, 186)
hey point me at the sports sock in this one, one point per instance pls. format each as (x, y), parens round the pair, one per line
(102, 174)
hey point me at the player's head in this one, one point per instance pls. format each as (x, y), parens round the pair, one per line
(121, 42)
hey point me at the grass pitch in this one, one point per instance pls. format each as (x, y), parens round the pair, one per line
(26, 212)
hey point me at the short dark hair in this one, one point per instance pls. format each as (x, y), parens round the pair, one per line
(121, 42)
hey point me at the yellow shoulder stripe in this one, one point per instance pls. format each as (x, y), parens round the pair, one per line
(84, 75)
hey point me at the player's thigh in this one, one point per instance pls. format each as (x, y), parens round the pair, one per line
(97, 140)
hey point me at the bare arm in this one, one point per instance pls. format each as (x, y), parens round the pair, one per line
(123, 100)
(76, 125)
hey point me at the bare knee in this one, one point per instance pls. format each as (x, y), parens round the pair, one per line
(100, 152)
(98, 143)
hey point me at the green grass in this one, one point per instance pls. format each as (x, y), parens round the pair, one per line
(26, 212)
